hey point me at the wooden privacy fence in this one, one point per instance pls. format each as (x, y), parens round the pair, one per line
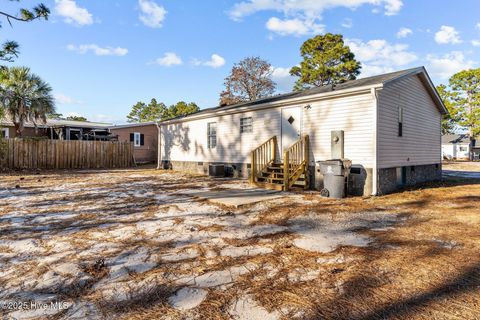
(65, 154)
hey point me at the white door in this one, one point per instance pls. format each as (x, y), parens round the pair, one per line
(291, 126)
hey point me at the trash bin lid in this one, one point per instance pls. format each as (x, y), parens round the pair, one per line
(333, 162)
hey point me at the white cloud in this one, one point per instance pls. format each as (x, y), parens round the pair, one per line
(169, 59)
(103, 118)
(447, 34)
(307, 8)
(64, 99)
(302, 17)
(97, 50)
(404, 32)
(347, 23)
(72, 13)
(152, 15)
(283, 79)
(297, 27)
(448, 64)
(379, 56)
(216, 61)
(476, 43)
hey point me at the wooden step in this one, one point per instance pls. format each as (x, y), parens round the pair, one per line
(270, 186)
(271, 180)
(275, 180)
(275, 168)
(272, 174)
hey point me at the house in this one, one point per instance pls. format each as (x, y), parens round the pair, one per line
(476, 150)
(144, 137)
(391, 127)
(456, 146)
(59, 129)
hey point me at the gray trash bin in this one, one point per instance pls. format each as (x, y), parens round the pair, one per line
(334, 174)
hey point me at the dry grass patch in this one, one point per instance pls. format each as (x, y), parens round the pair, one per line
(423, 265)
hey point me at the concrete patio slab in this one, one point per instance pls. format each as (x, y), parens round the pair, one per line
(237, 197)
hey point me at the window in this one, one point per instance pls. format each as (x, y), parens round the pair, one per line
(400, 121)
(4, 132)
(246, 125)
(463, 149)
(211, 135)
(137, 138)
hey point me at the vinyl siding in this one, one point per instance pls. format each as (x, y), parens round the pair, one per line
(355, 115)
(421, 140)
(187, 141)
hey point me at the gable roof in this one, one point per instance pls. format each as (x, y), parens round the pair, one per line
(348, 86)
(456, 138)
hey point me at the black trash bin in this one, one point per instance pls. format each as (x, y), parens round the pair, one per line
(334, 174)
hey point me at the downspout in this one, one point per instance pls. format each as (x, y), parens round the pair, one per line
(159, 148)
(375, 145)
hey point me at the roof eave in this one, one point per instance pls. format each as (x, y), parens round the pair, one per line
(267, 105)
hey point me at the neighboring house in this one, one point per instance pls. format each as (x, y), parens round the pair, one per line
(391, 124)
(144, 137)
(456, 146)
(476, 151)
(59, 129)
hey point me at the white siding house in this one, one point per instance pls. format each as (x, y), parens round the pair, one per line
(366, 110)
(456, 146)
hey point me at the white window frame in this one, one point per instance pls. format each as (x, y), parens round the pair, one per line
(211, 136)
(246, 125)
(137, 139)
(6, 132)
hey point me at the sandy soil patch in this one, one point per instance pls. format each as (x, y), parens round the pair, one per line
(134, 244)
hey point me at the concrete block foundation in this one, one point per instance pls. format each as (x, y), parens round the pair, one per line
(360, 180)
(393, 179)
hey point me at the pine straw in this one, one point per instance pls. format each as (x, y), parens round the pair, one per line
(427, 267)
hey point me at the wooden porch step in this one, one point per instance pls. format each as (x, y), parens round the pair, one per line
(273, 174)
(270, 168)
(272, 180)
(267, 174)
(270, 186)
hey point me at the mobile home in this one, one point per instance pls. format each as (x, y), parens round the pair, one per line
(391, 125)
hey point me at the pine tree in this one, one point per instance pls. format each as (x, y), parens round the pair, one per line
(9, 50)
(450, 120)
(142, 112)
(463, 100)
(326, 61)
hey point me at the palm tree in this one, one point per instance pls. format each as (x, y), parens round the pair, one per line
(25, 97)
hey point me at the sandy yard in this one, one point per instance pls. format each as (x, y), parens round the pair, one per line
(136, 244)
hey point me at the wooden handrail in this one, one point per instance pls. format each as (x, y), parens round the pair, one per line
(263, 156)
(295, 162)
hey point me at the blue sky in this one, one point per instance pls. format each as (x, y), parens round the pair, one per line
(101, 57)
